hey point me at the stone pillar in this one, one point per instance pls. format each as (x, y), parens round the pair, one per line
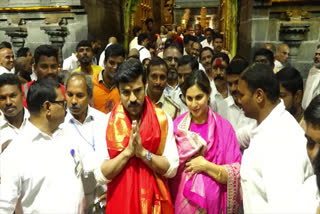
(293, 33)
(56, 35)
(17, 35)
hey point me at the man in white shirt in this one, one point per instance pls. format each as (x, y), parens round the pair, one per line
(208, 42)
(281, 57)
(71, 63)
(143, 42)
(186, 65)
(171, 55)
(46, 175)
(206, 55)
(218, 45)
(14, 115)
(137, 164)
(276, 165)
(112, 40)
(6, 61)
(218, 79)
(230, 108)
(195, 50)
(291, 90)
(86, 126)
(312, 87)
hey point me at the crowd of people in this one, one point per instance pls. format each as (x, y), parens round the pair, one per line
(176, 125)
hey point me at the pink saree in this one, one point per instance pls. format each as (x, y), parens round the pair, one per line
(201, 193)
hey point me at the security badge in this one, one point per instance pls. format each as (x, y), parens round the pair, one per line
(78, 164)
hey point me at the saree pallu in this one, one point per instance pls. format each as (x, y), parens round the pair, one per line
(137, 189)
(201, 193)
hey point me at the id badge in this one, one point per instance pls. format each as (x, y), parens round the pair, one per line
(78, 168)
(78, 164)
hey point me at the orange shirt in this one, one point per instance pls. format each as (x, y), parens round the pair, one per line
(103, 98)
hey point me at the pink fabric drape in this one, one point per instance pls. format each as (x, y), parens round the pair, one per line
(201, 192)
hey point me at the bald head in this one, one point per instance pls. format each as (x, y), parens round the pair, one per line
(6, 58)
(113, 40)
(282, 53)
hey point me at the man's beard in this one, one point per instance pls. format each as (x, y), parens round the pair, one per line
(317, 65)
(172, 76)
(85, 60)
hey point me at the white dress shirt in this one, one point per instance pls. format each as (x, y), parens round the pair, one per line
(170, 152)
(7, 131)
(143, 51)
(277, 66)
(205, 43)
(40, 170)
(275, 166)
(310, 192)
(235, 115)
(91, 139)
(312, 87)
(216, 97)
(201, 67)
(71, 63)
(171, 91)
(133, 43)
(103, 56)
(177, 96)
(3, 70)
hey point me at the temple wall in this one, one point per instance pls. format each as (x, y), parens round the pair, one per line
(62, 23)
(263, 21)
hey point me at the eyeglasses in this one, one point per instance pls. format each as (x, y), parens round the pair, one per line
(63, 103)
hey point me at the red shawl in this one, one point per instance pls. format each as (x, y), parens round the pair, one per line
(137, 189)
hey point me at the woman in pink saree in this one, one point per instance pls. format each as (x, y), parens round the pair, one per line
(208, 177)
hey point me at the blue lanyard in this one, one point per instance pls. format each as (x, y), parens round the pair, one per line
(93, 144)
(167, 89)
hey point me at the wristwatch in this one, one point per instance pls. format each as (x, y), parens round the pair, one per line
(149, 156)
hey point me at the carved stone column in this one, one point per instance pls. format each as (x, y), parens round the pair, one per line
(293, 31)
(56, 35)
(17, 35)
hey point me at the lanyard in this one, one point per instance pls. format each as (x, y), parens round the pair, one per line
(88, 142)
(167, 89)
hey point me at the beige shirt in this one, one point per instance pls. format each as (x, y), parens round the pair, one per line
(169, 106)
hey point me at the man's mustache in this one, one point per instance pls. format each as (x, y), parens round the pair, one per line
(218, 77)
(8, 107)
(75, 107)
(158, 87)
(133, 104)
